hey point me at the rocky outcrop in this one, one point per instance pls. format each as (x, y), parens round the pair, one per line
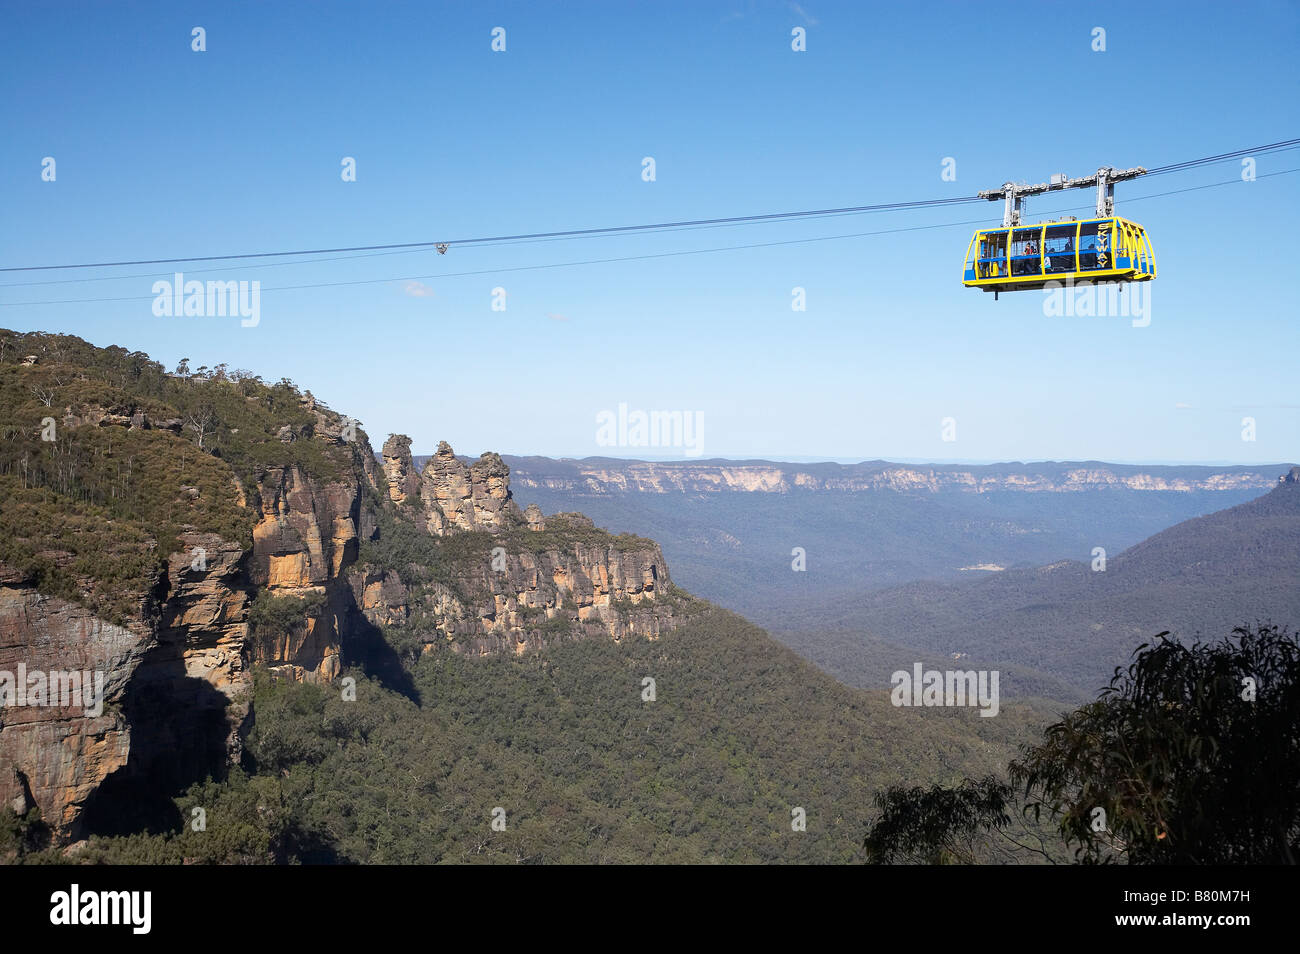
(511, 601)
(177, 673)
(531, 587)
(203, 625)
(477, 497)
(128, 416)
(175, 687)
(381, 595)
(307, 532)
(534, 517)
(306, 539)
(55, 757)
(403, 481)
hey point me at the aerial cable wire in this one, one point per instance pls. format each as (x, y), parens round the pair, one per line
(633, 258)
(623, 229)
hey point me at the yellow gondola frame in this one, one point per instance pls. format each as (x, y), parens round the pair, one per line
(1124, 241)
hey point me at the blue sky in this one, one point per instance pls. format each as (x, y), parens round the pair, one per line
(162, 151)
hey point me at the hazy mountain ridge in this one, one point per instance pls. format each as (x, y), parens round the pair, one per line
(738, 547)
(607, 475)
(1201, 577)
(886, 575)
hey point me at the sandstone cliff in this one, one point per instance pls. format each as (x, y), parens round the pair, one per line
(55, 757)
(195, 529)
(403, 481)
(306, 539)
(176, 670)
(176, 688)
(519, 580)
(524, 600)
(457, 497)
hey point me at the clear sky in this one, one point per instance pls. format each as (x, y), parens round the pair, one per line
(162, 151)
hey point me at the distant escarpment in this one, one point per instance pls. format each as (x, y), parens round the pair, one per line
(166, 533)
(597, 476)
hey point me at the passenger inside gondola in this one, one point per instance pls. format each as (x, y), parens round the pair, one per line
(1087, 250)
(992, 251)
(1062, 257)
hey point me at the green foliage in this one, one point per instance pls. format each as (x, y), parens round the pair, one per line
(741, 732)
(1187, 770)
(404, 546)
(1185, 767)
(408, 640)
(21, 835)
(246, 821)
(93, 513)
(937, 825)
(563, 533)
(76, 551)
(244, 415)
(270, 615)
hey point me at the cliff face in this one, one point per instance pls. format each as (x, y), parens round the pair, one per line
(171, 687)
(55, 757)
(303, 544)
(516, 587)
(530, 600)
(177, 671)
(456, 497)
(403, 481)
(176, 674)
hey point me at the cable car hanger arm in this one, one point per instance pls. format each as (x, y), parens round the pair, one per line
(1104, 179)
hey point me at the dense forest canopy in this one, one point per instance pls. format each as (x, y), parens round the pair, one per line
(1190, 756)
(739, 735)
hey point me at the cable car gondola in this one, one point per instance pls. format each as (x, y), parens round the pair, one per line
(1105, 249)
(1092, 250)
